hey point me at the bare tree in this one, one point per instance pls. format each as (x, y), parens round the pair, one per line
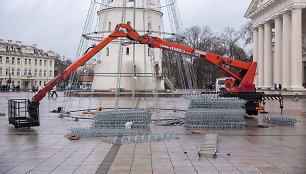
(226, 43)
(246, 32)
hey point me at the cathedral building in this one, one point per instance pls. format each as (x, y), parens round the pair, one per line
(279, 32)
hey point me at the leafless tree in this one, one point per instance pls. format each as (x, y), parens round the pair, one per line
(226, 43)
(246, 33)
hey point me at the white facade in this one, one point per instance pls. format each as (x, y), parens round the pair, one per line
(279, 31)
(26, 66)
(107, 65)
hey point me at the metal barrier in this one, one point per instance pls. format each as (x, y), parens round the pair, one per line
(117, 118)
(112, 123)
(211, 112)
(280, 120)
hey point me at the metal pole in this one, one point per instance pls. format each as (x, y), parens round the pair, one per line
(134, 80)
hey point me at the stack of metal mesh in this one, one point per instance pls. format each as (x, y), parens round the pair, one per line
(215, 113)
(117, 118)
(99, 132)
(139, 138)
(280, 120)
(112, 123)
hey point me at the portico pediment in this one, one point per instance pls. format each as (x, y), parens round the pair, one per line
(256, 6)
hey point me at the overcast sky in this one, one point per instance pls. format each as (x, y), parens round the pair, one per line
(57, 24)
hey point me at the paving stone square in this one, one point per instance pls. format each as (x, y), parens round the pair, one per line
(45, 149)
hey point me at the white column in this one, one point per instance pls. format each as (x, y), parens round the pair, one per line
(261, 56)
(277, 64)
(286, 53)
(255, 51)
(268, 69)
(296, 49)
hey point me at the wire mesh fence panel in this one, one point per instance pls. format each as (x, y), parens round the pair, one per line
(281, 120)
(211, 112)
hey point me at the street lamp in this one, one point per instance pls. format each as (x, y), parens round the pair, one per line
(9, 80)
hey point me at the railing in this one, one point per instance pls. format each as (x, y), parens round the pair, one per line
(19, 115)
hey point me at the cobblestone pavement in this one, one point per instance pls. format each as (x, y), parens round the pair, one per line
(45, 149)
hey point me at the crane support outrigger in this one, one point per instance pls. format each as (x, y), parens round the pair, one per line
(242, 85)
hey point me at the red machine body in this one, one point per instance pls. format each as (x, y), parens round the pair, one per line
(243, 80)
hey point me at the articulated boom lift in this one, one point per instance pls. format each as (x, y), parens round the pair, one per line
(242, 83)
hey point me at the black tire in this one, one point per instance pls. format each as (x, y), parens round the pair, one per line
(255, 112)
(252, 112)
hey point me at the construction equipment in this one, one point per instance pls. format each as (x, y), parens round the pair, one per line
(241, 85)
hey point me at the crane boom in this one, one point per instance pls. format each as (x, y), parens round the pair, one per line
(244, 79)
(241, 85)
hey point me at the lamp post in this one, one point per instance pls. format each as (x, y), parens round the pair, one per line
(9, 80)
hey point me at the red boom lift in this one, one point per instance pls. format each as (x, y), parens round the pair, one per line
(241, 85)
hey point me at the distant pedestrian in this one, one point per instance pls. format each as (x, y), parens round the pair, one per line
(275, 86)
(279, 87)
(54, 92)
(17, 88)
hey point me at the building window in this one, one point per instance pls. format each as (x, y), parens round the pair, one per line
(7, 72)
(45, 63)
(35, 61)
(7, 60)
(109, 26)
(25, 72)
(30, 61)
(45, 83)
(18, 61)
(110, 0)
(45, 73)
(25, 61)
(51, 63)
(40, 73)
(18, 72)
(13, 72)
(35, 83)
(39, 83)
(50, 73)
(0, 59)
(40, 62)
(13, 60)
(30, 72)
(0, 71)
(35, 72)
(127, 51)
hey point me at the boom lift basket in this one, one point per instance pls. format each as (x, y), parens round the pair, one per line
(23, 113)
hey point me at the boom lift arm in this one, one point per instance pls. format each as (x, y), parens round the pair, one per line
(244, 79)
(242, 86)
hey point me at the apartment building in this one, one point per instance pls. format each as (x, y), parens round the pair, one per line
(25, 66)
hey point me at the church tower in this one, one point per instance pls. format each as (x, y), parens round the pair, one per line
(141, 66)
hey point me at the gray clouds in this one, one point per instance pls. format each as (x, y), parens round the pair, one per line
(216, 14)
(52, 24)
(57, 24)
